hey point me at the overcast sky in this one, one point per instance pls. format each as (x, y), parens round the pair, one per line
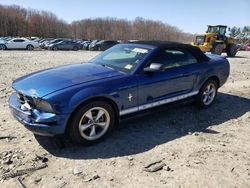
(189, 15)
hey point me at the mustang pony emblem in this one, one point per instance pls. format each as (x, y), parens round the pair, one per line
(130, 96)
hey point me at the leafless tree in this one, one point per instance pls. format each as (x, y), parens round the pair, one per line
(17, 21)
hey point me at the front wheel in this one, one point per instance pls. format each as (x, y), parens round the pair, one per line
(217, 49)
(2, 47)
(55, 48)
(207, 94)
(92, 123)
(231, 50)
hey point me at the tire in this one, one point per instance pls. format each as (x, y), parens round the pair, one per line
(206, 96)
(86, 129)
(30, 47)
(217, 49)
(75, 48)
(55, 48)
(231, 50)
(2, 47)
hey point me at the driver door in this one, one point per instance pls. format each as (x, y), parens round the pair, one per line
(180, 70)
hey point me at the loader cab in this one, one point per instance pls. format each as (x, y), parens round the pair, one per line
(220, 30)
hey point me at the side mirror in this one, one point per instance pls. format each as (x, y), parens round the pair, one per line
(154, 67)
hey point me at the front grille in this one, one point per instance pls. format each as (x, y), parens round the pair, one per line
(199, 40)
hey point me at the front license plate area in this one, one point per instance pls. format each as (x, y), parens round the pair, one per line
(20, 115)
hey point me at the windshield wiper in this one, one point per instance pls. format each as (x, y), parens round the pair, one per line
(105, 65)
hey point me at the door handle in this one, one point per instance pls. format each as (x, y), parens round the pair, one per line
(186, 74)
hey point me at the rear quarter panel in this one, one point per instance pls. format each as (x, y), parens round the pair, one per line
(217, 66)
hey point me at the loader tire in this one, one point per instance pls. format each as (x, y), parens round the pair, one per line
(231, 50)
(217, 49)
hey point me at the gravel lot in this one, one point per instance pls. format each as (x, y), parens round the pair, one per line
(208, 148)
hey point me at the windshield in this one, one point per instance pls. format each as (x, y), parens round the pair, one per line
(217, 29)
(122, 57)
(213, 29)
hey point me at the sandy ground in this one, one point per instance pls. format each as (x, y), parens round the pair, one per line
(207, 148)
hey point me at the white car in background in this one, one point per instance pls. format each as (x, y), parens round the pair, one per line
(19, 43)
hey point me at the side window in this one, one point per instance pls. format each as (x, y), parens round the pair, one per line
(222, 31)
(18, 40)
(170, 58)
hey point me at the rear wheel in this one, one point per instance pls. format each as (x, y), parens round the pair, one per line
(217, 49)
(30, 47)
(231, 50)
(92, 123)
(75, 48)
(207, 94)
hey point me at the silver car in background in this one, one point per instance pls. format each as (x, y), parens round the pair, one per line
(18, 43)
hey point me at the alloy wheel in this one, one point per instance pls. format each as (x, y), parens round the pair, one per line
(94, 123)
(29, 47)
(209, 94)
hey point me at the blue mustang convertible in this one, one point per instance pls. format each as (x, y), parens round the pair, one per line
(86, 100)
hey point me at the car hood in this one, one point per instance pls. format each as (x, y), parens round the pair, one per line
(48, 81)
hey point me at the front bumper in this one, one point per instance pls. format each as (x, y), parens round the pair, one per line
(41, 123)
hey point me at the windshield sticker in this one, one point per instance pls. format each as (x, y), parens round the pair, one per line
(140, 50)
(128, 66)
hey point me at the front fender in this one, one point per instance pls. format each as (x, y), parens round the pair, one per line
(91, 93)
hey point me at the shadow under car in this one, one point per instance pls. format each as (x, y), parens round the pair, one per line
(158, 126)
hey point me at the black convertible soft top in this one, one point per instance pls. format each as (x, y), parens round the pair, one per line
(168, 44)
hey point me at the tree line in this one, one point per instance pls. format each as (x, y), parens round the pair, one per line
(241, 34)
(122, 29)
(17, 21)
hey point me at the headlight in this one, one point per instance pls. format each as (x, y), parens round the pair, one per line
(43, 105)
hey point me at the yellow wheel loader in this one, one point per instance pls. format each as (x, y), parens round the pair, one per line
(216, 41)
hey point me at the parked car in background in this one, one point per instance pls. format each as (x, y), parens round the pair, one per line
(246, 47)
(53, 41)
(86, 100)
(6, 38)
(36, 39)
(86, 45)
(105, 44)
(92, 45)
(44, 43)
(65, 45)
(2, 42)
(19, 43)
